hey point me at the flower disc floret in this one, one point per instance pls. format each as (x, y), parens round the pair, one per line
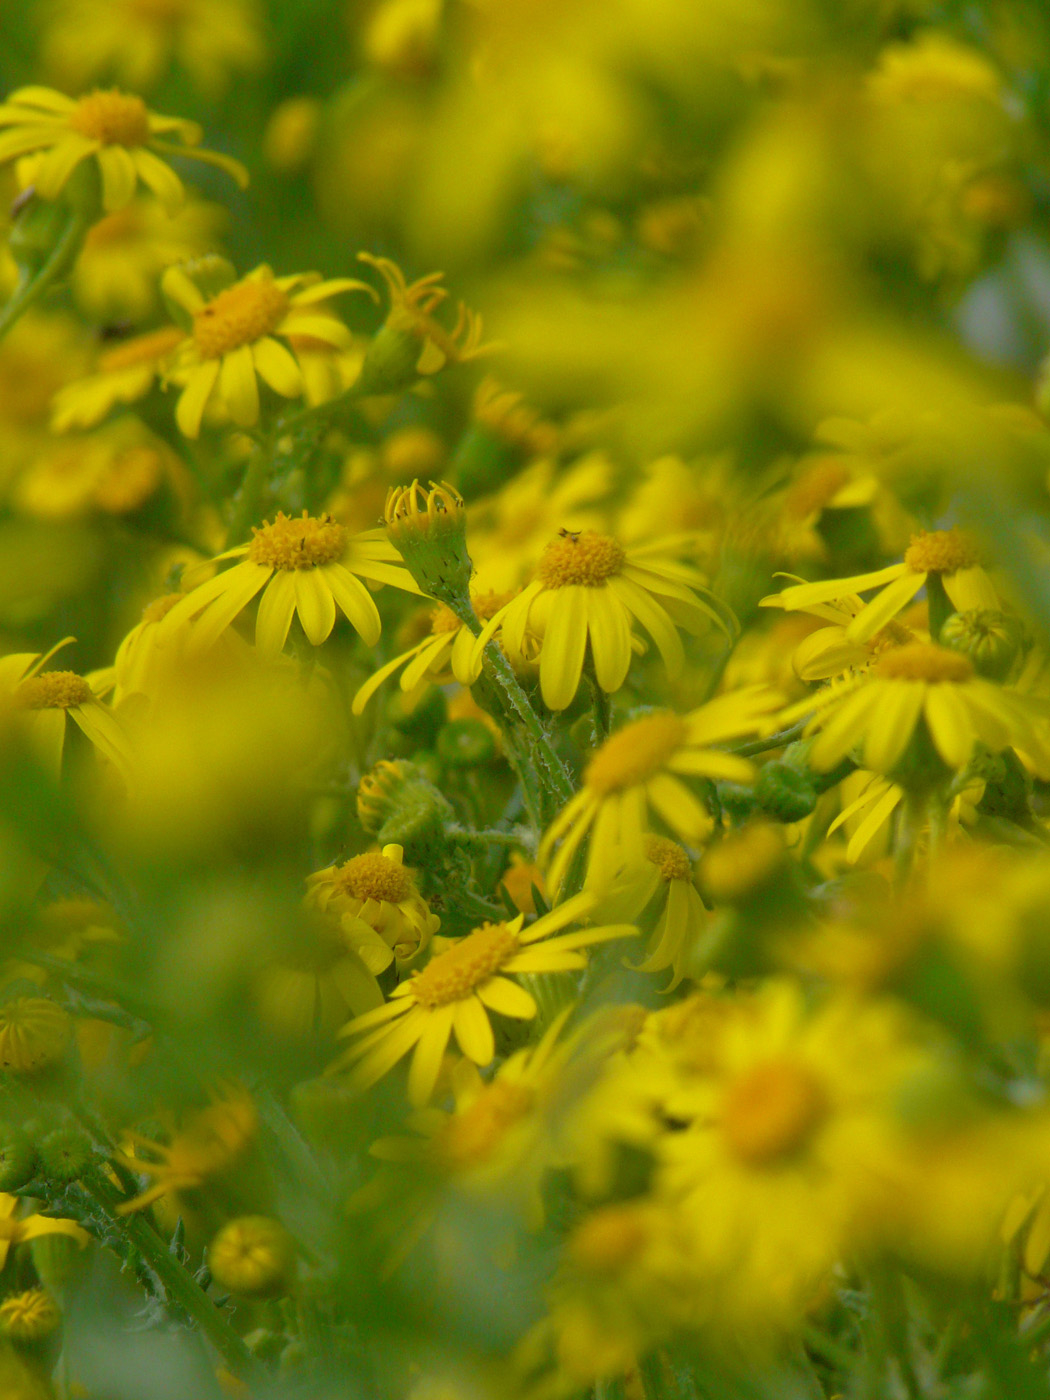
(454, 974)
(374, 876)
(635, 753)
(114, 118)
(238, 316)
(771, 1112)
(53, 690)
(304, 543)
(942, 552)
(669, 858)
(586, 559)
(30, 1316)
(924, 661)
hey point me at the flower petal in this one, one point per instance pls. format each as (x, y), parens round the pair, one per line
(120, 178)
(190, 408)
(430, 1051)
(355, 602)
(506, 997)
(277, 367)
(239, 387)
(315, 604)
(473, 1030)
(274, 618)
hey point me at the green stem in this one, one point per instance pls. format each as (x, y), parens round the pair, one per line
(249, 498)
(912, 816)
(486, 838)
(829, 1350)
(58, 262)
(938, 604)
(600, 704)
(183, 1291)
(779, 740)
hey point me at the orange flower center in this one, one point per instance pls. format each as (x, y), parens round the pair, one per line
(772, 1111)
(374, 876)
(306, 543)
(636, 753)
(238, 316)
(587, 559)
(608, 1239)
(941, 552)
(924, 661)
(470, 1137)
(114, 118)
(454, 974)
(141, 349)
(54, 690)
(669, 858)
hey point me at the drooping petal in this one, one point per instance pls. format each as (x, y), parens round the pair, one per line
(159, 177)
(355, 602)
(277, 367)
(564, 646)
(473, 1030)
(884, 607)
(60, 162)
(239, 387)
(192, 401)
(892, 724)
(274, 617)
(119, 178)
(315, 604)
(429, 1052)
(506, 997)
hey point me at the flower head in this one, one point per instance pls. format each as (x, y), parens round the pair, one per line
(458, 988)
(233, 340)
(34, 1034)
(587, 593)
(380, 912)
(112, 128)
(122, 375)
(29, 1316)
(428, 527)
(253, 1256)
(308, 565)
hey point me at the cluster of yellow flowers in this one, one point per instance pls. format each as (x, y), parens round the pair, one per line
(537, 886)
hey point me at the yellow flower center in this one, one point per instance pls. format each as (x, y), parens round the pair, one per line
(374, 876)
(772, 1111)
(941, 552)
(29, 1316)
(454, 974)
(587, 559)
(114, 118)
(141, 349)
(306, 543)
(924, 661)
(608, 1239)
(636, 753)
(238, 316)
(669, 858)
(54, 690)
(160, 607)
(470, 1137)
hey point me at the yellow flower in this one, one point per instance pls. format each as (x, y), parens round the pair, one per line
(448, 646)
(253, 1255)
(118, 269)
(37, 702)
(212, 1142)
(122, 375)
(116, 130)
(312, 988)
(457, 990)
(921, 684)
(946, 555)
(380, 911)
(116, 470)
(29, 1316)
(411, 307)
(32, 1227)
(867, 814)
(588, 592)
(640, 768)
(666, 881)
(137, 42)
(309, 566)
(34, 1034)
(831, 651)
(232, 339)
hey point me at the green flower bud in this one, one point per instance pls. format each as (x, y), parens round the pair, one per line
(17, 1158)
(29, 1318)
(991, 640)
(65, 1154)
(429, 530)
(254, 1257)
(784, 792)
(55, 1259)
(390, 362)
(465, 743)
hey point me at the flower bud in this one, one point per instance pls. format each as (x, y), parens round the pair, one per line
(65, 1154)
(34, 1034)
(785, 792)
(17, 1158)
(254, 1257)
(991, 640)
(389, 366)
(29, 1318)
(429, 530)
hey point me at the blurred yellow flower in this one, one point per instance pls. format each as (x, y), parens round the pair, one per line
(115, 130)
(123, 374)
(375, 900)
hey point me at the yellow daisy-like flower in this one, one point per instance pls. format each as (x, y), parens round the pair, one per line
(921, 684)
(308, 566)
(232, 342)
(870, 801)
(411, 305)
(588, 592)
(136, 41)
(448, 646)
(123, 374)
(459, 987)
(116, 130)
(945, 555)
(667, 881)
(37, 703)
(831, 651)
(380, 911)
(639, 770)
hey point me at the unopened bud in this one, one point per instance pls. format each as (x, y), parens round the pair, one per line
(991, 640)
